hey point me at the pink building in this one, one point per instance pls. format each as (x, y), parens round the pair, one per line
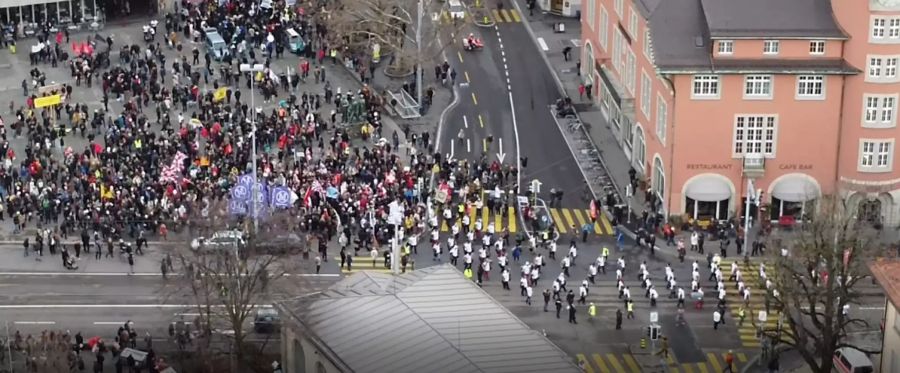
(798, 96)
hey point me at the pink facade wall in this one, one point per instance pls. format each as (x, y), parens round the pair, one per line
(819, 139)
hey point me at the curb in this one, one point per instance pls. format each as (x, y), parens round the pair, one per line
(485, 25)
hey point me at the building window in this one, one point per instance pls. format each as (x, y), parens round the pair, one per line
(754, 134)
(645, 94)
(604, 28)
(640, 149)
(879, 110)
(659, 178)
(591, 9)
(817, 47)
(706, 86)
(619, 7)
(875, 155)
(878, 28)
(890, 68)
(618, 42)
(894, 29)
(758, 86)
(726, 47)
(630, 71)
(661, 117)
(810, 86)
(770, 47)
(633, 23)
(875, 67)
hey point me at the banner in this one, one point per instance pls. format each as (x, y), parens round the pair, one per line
(47, 101)
(281, 197)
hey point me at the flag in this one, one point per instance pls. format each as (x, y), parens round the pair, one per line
(281, 197)
(107, 192)
(172, 172)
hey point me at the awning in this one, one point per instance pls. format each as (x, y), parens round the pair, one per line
(708, 189)
(796, 188)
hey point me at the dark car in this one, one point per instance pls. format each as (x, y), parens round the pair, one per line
(266, 321)
(282, 244)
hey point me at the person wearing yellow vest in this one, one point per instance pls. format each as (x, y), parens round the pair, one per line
(592, 311)
(742, 314)
(605, 252)
(630, 314)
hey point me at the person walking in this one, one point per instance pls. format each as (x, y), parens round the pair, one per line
(618, 319)
(349, 263)
(592, 311)
(131, 263)
(664, 348)
(546, 299)
(318, 263)
(558, 306)
(630, 310)
(529, 291)
(572, 314)
(164, 269)
(717, 319)
(26, 244)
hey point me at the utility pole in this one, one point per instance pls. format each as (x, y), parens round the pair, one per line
(419, 10)
(254, 194)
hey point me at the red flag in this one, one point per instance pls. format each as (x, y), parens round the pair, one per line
(76, 48)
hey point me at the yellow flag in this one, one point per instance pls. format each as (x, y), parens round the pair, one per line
(107, 192)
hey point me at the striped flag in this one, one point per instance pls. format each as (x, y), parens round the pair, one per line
(172, 172)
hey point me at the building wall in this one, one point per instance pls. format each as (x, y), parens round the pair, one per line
(699, 134)
(890, 356)
(301, 356)
(705, 132)
(648, 104)
(857, 184)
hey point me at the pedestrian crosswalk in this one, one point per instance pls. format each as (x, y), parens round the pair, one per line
(748, 329)
(565, 220)
(628, 363)
(495, 15)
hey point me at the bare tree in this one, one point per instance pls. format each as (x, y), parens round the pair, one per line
(228, 279)
(356, 26)
(826, 258)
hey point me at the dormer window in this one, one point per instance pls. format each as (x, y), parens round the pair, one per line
(726, 47)
(770, 47)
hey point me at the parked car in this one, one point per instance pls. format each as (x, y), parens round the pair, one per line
(848, 360)
(221, 240)
(289, 243)
(215, 44)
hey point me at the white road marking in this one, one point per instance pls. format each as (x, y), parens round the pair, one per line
(512, 108)
(543, 44)
(509, 87)
(452, 145)
(503, 53)
(465, 121)
(871, 308)
(187, 314)
(34, 322)
(109, 323)
(468, 145)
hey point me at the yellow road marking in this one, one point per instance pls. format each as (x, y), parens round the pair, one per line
(742, 357)
(475, 100)
(687, 368)
(512, 220)
(505, 15)
(446, 16)
(600, 363)
(485, 215)
(579, 217)
(702, 368)
(459, 54)
(569, 222)
(498, 222)
(714, 362)
(615, 363)
(597, 229)
(497, 17)
(606, 224)
(466, 73)
(481, 120)
(444, 227)
(587, 366)
(557, 220)
(629, 360)
(471, 218)
(515, 15)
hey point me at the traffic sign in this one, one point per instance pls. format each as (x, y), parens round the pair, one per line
(536, 186)
(654, 317)
(763, 316)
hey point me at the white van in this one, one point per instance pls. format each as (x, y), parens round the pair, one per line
(457, 11)
(848, 360)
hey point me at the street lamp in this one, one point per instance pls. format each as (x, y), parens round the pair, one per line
(254, 194)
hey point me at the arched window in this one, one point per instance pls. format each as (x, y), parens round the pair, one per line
(659, 179)
(640, 149)
(587, 62)
(299, 358)
(320, 368)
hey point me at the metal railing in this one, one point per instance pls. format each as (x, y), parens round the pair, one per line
(404, 104)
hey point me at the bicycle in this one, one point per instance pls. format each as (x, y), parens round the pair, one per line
(574, 124)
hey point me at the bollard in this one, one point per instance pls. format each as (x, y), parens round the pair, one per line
(643, 343)
(486, 20)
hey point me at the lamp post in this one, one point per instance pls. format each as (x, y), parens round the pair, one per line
(254, 194)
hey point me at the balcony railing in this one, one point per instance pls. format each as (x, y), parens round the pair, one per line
(754, 165)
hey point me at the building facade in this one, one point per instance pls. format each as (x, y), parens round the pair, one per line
(887, 273)
(706, 96)
(55, 12)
